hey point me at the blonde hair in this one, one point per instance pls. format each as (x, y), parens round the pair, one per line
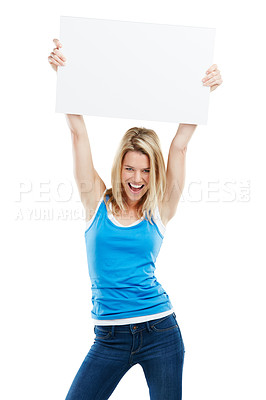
(147, 142)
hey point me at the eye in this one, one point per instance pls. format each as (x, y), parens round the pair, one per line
(146, 170)
(128, 168)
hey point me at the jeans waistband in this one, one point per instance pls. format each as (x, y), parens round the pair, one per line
(136, 327)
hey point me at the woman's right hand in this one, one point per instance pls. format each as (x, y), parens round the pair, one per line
(56, 57)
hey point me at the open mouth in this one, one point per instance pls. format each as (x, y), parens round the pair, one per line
(135, 189)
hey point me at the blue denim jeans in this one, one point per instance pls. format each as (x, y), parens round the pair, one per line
(156, 345)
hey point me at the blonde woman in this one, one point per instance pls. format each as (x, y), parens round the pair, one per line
(134, 319)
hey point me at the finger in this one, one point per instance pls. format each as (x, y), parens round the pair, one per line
(211, 74)
(59, 54)
(215, 73)
(52, 61)
(54, 56)
(57, 43)
(57, 59)
(210, 82)
(212, 68)
(213, 82)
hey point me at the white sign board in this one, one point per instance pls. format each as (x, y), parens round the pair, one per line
(134, 70)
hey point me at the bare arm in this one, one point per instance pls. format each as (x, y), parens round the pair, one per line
(175, 173)
(89, 183)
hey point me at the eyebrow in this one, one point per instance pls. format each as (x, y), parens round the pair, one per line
(133, 167)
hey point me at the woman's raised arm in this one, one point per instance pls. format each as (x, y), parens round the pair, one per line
(89, 183)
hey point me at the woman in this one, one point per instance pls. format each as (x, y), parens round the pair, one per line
(134, 319)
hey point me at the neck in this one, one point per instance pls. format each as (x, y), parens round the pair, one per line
(132, 205)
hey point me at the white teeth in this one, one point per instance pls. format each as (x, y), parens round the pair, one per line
(135, 186)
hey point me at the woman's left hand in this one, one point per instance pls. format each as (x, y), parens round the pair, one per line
(212, 78)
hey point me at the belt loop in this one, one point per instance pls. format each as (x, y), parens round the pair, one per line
(148, 326)
(113, 330)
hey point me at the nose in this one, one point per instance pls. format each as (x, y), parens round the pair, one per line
(137, 176)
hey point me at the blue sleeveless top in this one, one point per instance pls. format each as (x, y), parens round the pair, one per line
(121, 262)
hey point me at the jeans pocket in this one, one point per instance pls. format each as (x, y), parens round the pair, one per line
(102, 332)
(164, 324)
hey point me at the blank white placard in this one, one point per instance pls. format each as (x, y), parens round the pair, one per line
(134, 70)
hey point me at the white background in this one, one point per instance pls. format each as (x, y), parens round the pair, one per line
(212, 261)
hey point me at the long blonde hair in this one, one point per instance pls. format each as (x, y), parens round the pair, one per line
(147, 142)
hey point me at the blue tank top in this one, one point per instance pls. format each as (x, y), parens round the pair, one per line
(121, 262)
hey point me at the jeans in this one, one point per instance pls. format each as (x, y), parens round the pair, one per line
(156, 345)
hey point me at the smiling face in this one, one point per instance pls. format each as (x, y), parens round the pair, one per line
(135, 172)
